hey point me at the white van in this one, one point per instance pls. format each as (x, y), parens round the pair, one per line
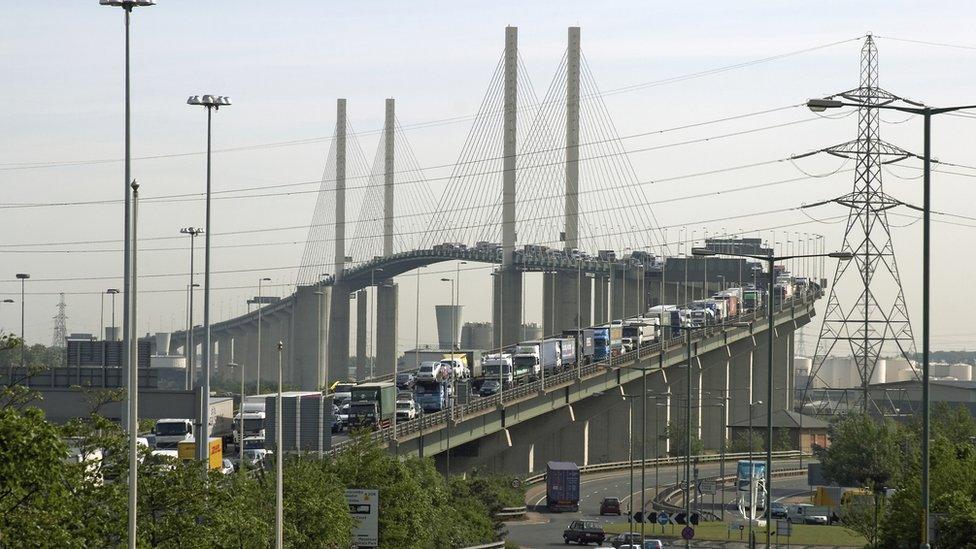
(432, 371)
(805, 513)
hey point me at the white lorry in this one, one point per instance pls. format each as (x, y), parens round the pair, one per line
(253, 414)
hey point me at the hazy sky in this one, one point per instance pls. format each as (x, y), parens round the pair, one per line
(285, 63)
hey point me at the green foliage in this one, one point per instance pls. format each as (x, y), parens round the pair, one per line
(316, 513)
(744, 443)
(678, 433)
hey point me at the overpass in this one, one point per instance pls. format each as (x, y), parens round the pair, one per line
(579, 415)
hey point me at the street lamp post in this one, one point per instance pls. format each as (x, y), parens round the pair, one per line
(193, 232)
(770, 282)
(450, 417)
(127, 297)
(211, 103)
(819, 105)
(112, 292)
(279, 460)
(260, 310)
(23, 340)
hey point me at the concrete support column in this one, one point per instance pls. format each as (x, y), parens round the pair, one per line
(362, 325)
(566, 301)
(715, 383)
(389, 132)
(507, 306)
(509, 151)
(338, 338)
(247, 351)
(386, 327)
(600, 302)
(743, 387)
(307, 325)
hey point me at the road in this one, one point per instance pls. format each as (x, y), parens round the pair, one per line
(544, 529)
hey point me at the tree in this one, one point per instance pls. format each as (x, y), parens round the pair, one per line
(863, 452)
(677, 432)
(316, 512)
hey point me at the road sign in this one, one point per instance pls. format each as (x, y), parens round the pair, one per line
(687, 533)
(784, 528)
(364, 506)
(516, 483)
(706, 487)
(662, 518)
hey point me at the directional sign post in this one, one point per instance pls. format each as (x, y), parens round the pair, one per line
(662, 519)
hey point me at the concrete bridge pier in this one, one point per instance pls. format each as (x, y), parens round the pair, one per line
(742, 374)
(782, 393)
(625, 293)
(362, 331)
(307, 326)
(600, 302)
(338, 340)
(565, 301)
(386, 327)
(715, 412)
(506, 308)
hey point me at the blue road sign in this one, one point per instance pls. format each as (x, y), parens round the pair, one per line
(662, 518)
(687, 533)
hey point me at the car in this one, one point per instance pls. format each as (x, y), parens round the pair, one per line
(627, 539)
(406, 380)
(344, 414)
(406, 410)
(778, 510)
(337, 425)
(432, 371)
(490, 387)
(254, 458)
(227, 467)
(653, 544)
(805, 513)
(584, 532)
(610, 506)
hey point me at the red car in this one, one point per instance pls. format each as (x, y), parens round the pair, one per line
(610, 506)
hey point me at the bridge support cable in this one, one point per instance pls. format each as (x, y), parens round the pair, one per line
(325, 248)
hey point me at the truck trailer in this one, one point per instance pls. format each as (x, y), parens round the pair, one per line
(562, 486)
(372, 405)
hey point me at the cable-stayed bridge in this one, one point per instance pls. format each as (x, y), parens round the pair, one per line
(540, 185)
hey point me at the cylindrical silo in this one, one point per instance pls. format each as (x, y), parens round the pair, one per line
(448, 324)
(803, 367)
(879, 375)
(476, 335)
(962, 372)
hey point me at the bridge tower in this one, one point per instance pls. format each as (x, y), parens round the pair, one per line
(386, 290)
(566, 296)
(507, 285)
(338, 346)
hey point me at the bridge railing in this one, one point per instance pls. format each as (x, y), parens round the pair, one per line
(431, 421)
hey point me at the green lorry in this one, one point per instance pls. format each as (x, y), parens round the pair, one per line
(372, 405)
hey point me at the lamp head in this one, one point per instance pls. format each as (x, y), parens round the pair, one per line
(112, 291)
(23, 276)
(266, 279)
(128, 4)
(820, 105)
(843, 256)
(703, 252)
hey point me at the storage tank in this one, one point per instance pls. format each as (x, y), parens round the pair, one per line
(477, 335)
(961, 371)
(879, 375)
(803, 367)
(448, 325)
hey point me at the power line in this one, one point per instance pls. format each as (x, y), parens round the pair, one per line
(431, 123)
(927, 43)
(192, 197)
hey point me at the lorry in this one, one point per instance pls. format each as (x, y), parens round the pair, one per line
(253, 415)
(499, 367)
(752, 299)
(616, 335)
(187, 451)
(835, 498)
(541, 355)
(168, 432)
(640, 332)
(584, 342)
(567, 351)
(433, 396)
(601, 343)
(412, 359)
(372, 405)
(562, 486)
(669, 319)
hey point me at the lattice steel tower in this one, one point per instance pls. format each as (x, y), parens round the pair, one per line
(60, 328)
(878, 317)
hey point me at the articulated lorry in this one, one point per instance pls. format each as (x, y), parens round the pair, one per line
(562, 486)
(169, 432)
(539, 355)
(253, 414)
(584, 341)
(372, 405)
(601, 343)
(433, 395)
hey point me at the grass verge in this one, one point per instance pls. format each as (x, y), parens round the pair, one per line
(718, 531)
